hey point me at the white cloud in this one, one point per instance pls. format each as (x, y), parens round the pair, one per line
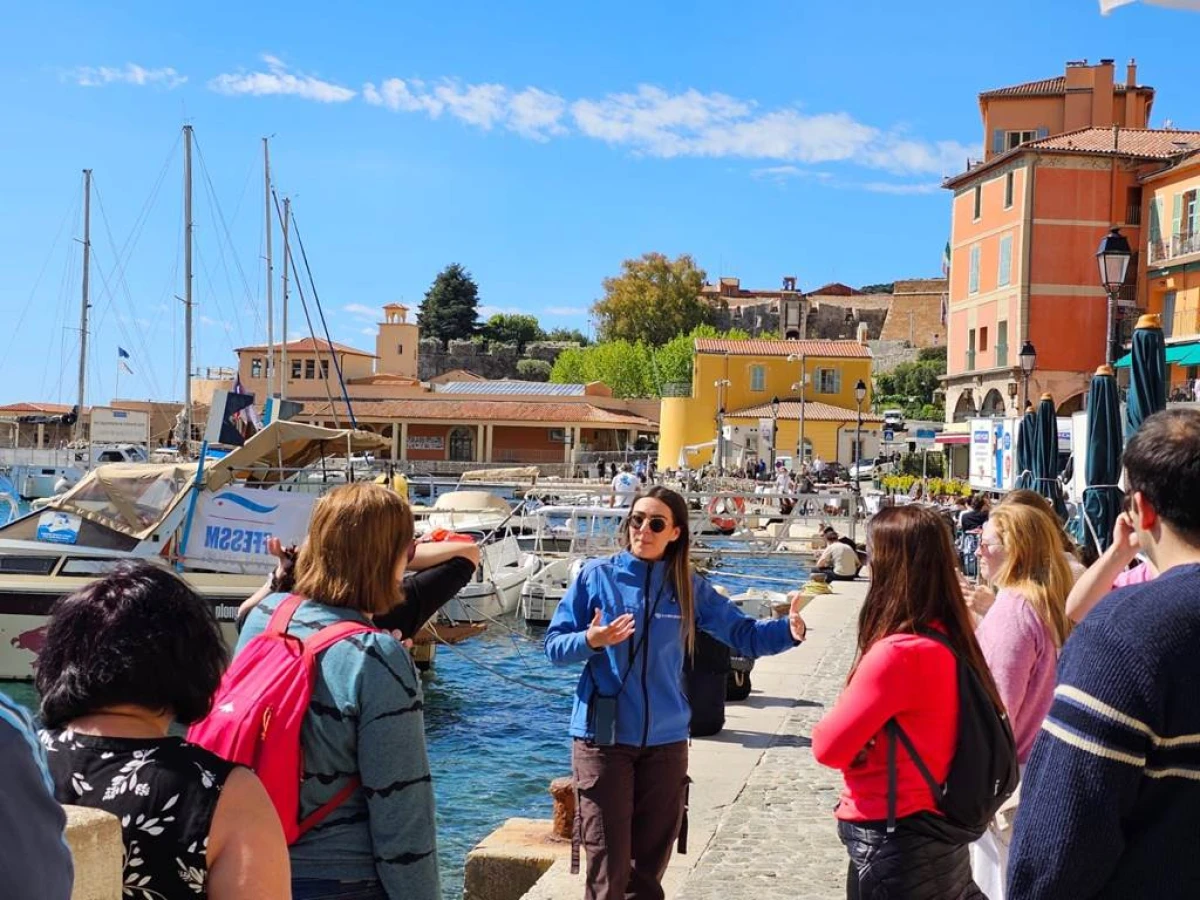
(536, 114)
(279, 80)
(781, 174)
(362, 311)
(206, 320)
(531, 113)
(130, 73)
(566, 310)
(369, 332)
(486, 312)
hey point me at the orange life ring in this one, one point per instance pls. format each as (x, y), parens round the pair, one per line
(719, 509)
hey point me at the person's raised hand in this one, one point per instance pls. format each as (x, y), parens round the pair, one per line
(1125, 538)
(979, 598)
(798, 626)
(601, 635)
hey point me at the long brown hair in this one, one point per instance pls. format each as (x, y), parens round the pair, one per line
(358, 535)
(1033, 564)
(677, 558)
(914, 585)
(1026, 497)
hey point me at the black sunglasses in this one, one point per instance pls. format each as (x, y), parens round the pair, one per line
(658, 524)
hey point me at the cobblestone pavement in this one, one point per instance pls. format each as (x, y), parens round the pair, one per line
(778, 838)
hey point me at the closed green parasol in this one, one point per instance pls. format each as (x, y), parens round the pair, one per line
(1147, 374)
(1045, 456)
(1102, 498)
(1026, 435)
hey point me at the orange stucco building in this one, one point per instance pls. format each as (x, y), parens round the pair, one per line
(1025, 225)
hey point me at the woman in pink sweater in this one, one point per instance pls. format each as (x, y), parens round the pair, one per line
(1021, 637)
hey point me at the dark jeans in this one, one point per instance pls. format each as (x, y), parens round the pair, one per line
(329, 889)
(833, 576)
(631, 802)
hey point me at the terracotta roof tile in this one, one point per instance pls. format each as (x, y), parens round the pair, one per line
(813, 412)
(1147, 143)
(36, 409)
(309, 345)
(482, 411)
(1046, 87)
(838, 349)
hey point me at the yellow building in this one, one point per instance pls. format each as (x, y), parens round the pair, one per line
(1172, 268)
(741, 378)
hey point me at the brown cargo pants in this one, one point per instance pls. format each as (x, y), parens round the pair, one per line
(630, 807)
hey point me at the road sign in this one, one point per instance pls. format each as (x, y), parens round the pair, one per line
(925, 437)
(889, 436)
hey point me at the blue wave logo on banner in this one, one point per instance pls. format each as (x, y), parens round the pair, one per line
(247, 504)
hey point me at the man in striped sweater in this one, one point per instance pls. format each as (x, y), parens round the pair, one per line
(1110, 802)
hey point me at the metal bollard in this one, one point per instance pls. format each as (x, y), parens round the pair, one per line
(563, 792)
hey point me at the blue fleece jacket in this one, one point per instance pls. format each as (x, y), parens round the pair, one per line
(652, 708)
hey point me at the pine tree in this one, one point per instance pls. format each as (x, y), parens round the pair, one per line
(450, 309)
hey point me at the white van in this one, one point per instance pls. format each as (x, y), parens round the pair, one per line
(893, 419)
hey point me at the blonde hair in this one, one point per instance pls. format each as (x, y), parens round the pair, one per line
(1034, 563)
(358, 535)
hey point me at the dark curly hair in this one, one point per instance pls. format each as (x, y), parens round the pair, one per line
(138, 636)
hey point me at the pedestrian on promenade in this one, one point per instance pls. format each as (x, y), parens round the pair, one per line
(364, 722)
(908, 677)
(1020, 637)
(35, 863)
(629, 618)
(125, 657)
(839, 560)
(1108, 803)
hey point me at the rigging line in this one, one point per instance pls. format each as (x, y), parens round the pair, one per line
(337, 420)
(60, 306)
(324, 324)
(554, 692)
(216, 204)
(224, 320)
(16, 331)
(137, 339)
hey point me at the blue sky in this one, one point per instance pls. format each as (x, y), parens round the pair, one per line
(539, 144)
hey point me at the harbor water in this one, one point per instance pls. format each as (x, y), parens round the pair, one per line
(496, 716)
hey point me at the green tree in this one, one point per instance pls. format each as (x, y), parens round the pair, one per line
(887, 287)
(567, 336)
(450, 309)
(911, 386)
(673, 360)
(623, 366)
(932, 354)
(516, 329)
(533, 369)
(653, 300)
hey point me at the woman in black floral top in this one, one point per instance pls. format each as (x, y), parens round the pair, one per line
(124, 658)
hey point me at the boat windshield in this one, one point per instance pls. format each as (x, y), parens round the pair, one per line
(131, 497)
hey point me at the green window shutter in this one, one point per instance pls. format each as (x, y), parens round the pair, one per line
(1155, 224)
(1005, 275)
(1176, 214)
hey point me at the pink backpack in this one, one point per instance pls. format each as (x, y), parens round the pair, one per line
(260, 706)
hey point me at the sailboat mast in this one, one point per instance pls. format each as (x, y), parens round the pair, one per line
(283, 337)
(187, 286)
(83, 307)
(270, 269)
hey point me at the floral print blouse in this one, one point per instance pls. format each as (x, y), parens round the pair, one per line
(164, 791)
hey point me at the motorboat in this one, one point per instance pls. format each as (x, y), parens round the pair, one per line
(465, 511)
(208, 520)
(45, 473)
(542, 593)
(496, 591)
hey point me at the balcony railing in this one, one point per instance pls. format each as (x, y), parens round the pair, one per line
(1182, 244)
(1133, 214)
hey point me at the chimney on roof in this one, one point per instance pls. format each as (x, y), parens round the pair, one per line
(789, 282)
(1107, 62)
(1131, 73)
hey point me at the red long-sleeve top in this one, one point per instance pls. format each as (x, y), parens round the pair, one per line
(914, 680)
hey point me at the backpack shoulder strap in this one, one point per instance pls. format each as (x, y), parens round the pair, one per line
(896, 732)
(331, 634)
(934, 635)
(282, 616)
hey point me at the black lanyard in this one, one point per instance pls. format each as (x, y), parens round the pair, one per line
(637, 647)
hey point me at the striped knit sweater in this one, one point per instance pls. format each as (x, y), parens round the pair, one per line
(1110, 803)
(365, 718)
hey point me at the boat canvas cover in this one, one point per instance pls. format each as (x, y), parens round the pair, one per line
(136, 498)
(512, 473)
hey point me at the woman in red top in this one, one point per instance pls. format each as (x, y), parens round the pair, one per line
(903, 676)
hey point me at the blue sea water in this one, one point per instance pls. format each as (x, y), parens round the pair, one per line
(494, 744)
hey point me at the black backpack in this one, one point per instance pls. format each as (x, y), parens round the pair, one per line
(983, 773)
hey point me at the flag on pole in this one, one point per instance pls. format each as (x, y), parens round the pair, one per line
(946, 261)
(124, 367)
(122, 353)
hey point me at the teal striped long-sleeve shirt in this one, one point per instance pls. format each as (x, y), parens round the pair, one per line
(365, 719)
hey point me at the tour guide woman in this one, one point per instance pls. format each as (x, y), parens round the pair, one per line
(629, 617)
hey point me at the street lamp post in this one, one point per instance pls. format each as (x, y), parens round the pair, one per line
(801, 455)
(1113, 257)
(860, 394)
(774, 430)
(720, 385)
(1028, 359)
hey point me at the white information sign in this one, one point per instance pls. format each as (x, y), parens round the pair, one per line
(231, 527)
(426, 442)
(982, 458)
(119, 426)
